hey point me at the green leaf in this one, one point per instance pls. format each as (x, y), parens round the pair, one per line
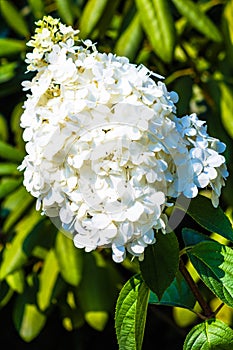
(228, 29)
(71, 313)
(37, 8)
(70, 259)
(96, 290)
(65, 11)
(92, 12)
(158, 24)
(7, 71)
(10, 47)
(5, 293)
(16, 281)
(16, 203)
(212, 219)
(214, 263)
(14, 18)
(15, 126)
(192, 237)
(47, 280)
(10, 153)
(8, 185)
(131, 311)
(9, 169)
(16, 253)
(3, 125)
(28, 320)
(160, 263)
(226, 107)
(177, 294)
(128, 43)
(198, 19)
(212, 334)
(105, 21)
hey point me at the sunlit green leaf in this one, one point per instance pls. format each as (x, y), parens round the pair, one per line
(10, 153)
(15, 126)
(160, 263)
(7, 71)
(9, 169)
(92, 12)
(3, 125)
(131, 311)
(214, 263)
(14, 18)
(177, 294)
(15, 255)
(37, 8)
(157, 22)
(16, 203)
(5, 293)
(65, 11)
(28, 320)
(70, 259)
(48, 278)
(226, 107)
(198, 19)
(227, 25)
(128, 43)
(16, 281)
(8, 185)
(209, 335)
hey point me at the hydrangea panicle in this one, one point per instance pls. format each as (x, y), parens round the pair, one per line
(106, 153)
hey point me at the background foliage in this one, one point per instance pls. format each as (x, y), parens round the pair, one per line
(52, 294)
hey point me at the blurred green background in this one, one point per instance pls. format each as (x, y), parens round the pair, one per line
(52, 295)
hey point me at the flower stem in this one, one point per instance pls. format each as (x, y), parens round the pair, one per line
(208, 313)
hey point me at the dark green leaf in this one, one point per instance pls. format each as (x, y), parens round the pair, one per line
(105, 21)
(96, 290)
(212, 219)
(192, 237)
(70, 259)
(131, 311)
(160, 263)
(158, 24)
(198, 19)
(214, 263)
(14, 18)
(177, 294)
(212, 334)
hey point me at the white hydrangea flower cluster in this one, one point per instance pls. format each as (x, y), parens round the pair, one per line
(106, 154)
